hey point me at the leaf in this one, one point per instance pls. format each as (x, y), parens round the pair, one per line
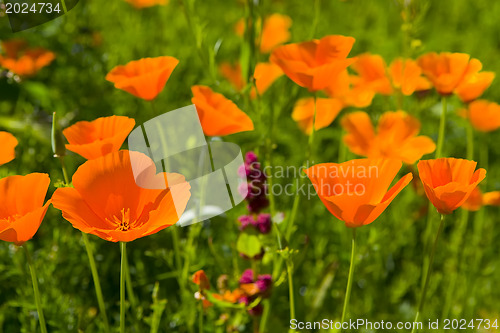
(249, 245)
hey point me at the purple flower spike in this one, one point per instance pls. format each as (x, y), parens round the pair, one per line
(264, 283)
(247, 276)
(246, 220)
(264, 223)
(250, 158)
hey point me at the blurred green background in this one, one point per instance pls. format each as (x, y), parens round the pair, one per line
(97, 35)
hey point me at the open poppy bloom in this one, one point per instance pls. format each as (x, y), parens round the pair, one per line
(483, 115)
(372, 74)
(146, 3)
(218, 115)
(274, 32)
(356, 192)
(107, 202)
(474, 82)
(144, 78)
(232, 72)
(21, 208)
(341, 88)
(448, 182)
(22, 60)
(314, 64)
(396, 136)
(7, 151)
(200, 279)
(93, 139)
(447, 71)
(406, 76)
(327, 110)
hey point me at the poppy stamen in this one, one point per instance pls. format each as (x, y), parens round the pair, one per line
(123, 223)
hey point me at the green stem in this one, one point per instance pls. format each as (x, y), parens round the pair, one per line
(34, 279)
(178, 261)
(90, 255)
(470, 141)
(428, 274)
(97, 283)
(442, 123)
(289, 268)
(313, 131)
(65, 9)
(123, 248)
(201, 317)
(350, 278)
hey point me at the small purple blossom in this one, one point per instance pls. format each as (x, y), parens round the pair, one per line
(247, 276)
(264, 223)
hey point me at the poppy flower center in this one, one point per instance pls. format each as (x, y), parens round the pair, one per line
(122, 223)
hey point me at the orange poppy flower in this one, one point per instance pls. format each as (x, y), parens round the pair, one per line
(448, 182)
(372, 74)
(233, 74)
(406, 76)
(144, 78)
(396, 136)
(230, 296)
(201, 279)
(314, 64)
(327, 110)
(265, 74)
(356, 192)
(98, 137)
(483, 115)
(7, 151)
(22, 60)
(139, 4)
(106, 201)
(275, 32)
(342, 89)
(21, 208)
(447, 71)
(474, 82)
(218, 115)
(491, 198)
(477, 199)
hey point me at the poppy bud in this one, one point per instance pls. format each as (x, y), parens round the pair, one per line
(58, 147)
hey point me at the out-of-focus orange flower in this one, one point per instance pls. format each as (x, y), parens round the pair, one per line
(107, 202)
(265, 74)
(230, 296)
(22, 60)
(232, 72)
(483, 115)
(372, 74)
(356, 192)
(477, 199)
(406, 76)
(139, 4)
(474, 82)
(21, 208)
(341, 88)
(448, 71)
(327, 110)
(448, 182)
(201, 279)
(7, 151)
(93, 139)
(218, 115)
(314, 64)
(144, 78)
(274, 32)
(396, 136)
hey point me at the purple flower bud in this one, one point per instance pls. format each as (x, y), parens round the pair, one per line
(247, 276)
(264, 283)
(264, 223)
(257, 204)
(250, 158)
(244, 299)
(246, 220)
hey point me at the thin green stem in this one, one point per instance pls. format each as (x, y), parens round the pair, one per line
(201, 317)
(97, 283)
(289, 268)
(123, 248)
(350, 278)
(442, 125)
(34, 279)
(65, 9)
(428, 275)
(470, 141)
(310, 146)
(178, 261)
(90, 255)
